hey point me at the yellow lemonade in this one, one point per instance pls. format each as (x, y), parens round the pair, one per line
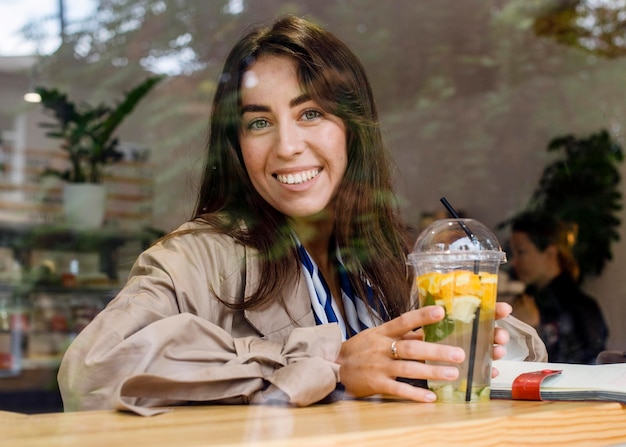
(465, 295)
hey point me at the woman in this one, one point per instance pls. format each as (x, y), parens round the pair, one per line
(569, 322)
(295, 227)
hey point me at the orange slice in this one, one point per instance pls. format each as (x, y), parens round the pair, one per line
(446, 289)
(428, 283)
(489, 285)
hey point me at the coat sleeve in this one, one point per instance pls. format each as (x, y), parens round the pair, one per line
(165, 341)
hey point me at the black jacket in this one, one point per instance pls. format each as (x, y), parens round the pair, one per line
(572, 325)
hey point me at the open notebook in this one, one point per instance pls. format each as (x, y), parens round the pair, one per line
(560, 381)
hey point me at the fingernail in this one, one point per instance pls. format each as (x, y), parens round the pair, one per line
(456, 355)
(450, 373)
(430, 397)
(436, 312)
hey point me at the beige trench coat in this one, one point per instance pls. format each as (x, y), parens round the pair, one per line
(165, 339)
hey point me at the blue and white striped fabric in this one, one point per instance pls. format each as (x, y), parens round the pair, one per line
(325, 309)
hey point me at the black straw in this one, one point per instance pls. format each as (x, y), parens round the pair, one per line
(454, 214)
(472, 359)
(473, 341)
(465, 228)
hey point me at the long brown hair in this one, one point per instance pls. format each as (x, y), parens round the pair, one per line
(368, 229)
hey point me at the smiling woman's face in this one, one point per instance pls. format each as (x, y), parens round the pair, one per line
(295, 152)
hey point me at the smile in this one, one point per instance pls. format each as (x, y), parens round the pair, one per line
(299, 177)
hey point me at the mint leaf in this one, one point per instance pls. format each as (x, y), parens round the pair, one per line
(440, 330)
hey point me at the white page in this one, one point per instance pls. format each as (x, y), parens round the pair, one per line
(610, 377)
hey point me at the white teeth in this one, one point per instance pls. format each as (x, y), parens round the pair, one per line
(300, 177)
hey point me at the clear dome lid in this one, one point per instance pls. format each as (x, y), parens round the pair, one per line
(462, 239)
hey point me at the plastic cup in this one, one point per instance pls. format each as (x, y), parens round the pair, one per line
(456, 264)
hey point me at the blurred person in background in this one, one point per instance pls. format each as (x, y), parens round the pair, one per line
(568, 320)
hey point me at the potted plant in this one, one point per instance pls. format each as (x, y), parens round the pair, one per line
(581, 187)
(87, 135)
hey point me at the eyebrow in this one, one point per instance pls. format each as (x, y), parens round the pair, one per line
(249, 108)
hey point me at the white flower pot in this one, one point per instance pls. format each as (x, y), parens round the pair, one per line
(84, 204)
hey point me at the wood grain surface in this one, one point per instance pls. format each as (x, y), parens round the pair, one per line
(372, 422)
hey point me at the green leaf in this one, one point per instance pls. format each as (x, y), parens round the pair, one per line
(86, 132)
(581, 187)
(440, 330)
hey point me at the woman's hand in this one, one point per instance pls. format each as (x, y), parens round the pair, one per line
(368, 366)
(500, 336)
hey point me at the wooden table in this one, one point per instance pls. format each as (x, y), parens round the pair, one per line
(345, 423)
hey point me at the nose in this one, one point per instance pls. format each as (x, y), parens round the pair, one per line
(290, 141)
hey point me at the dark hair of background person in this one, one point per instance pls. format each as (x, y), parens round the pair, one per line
(368, 229)
(544, 230)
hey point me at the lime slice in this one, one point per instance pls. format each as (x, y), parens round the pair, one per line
(445, 393)
(464, 308)
(484, 394)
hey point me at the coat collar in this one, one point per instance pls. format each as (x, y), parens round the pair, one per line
(276, 319)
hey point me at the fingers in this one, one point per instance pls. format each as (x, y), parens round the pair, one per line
(408, 321)
(411, 369)
(498, 352)
(411, 392)
(418, 350)
(503, 310)
(414, 335)
(415, 370)
(501, 336)
(408, 391)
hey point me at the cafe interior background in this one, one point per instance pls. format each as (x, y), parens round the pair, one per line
(471, 93)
